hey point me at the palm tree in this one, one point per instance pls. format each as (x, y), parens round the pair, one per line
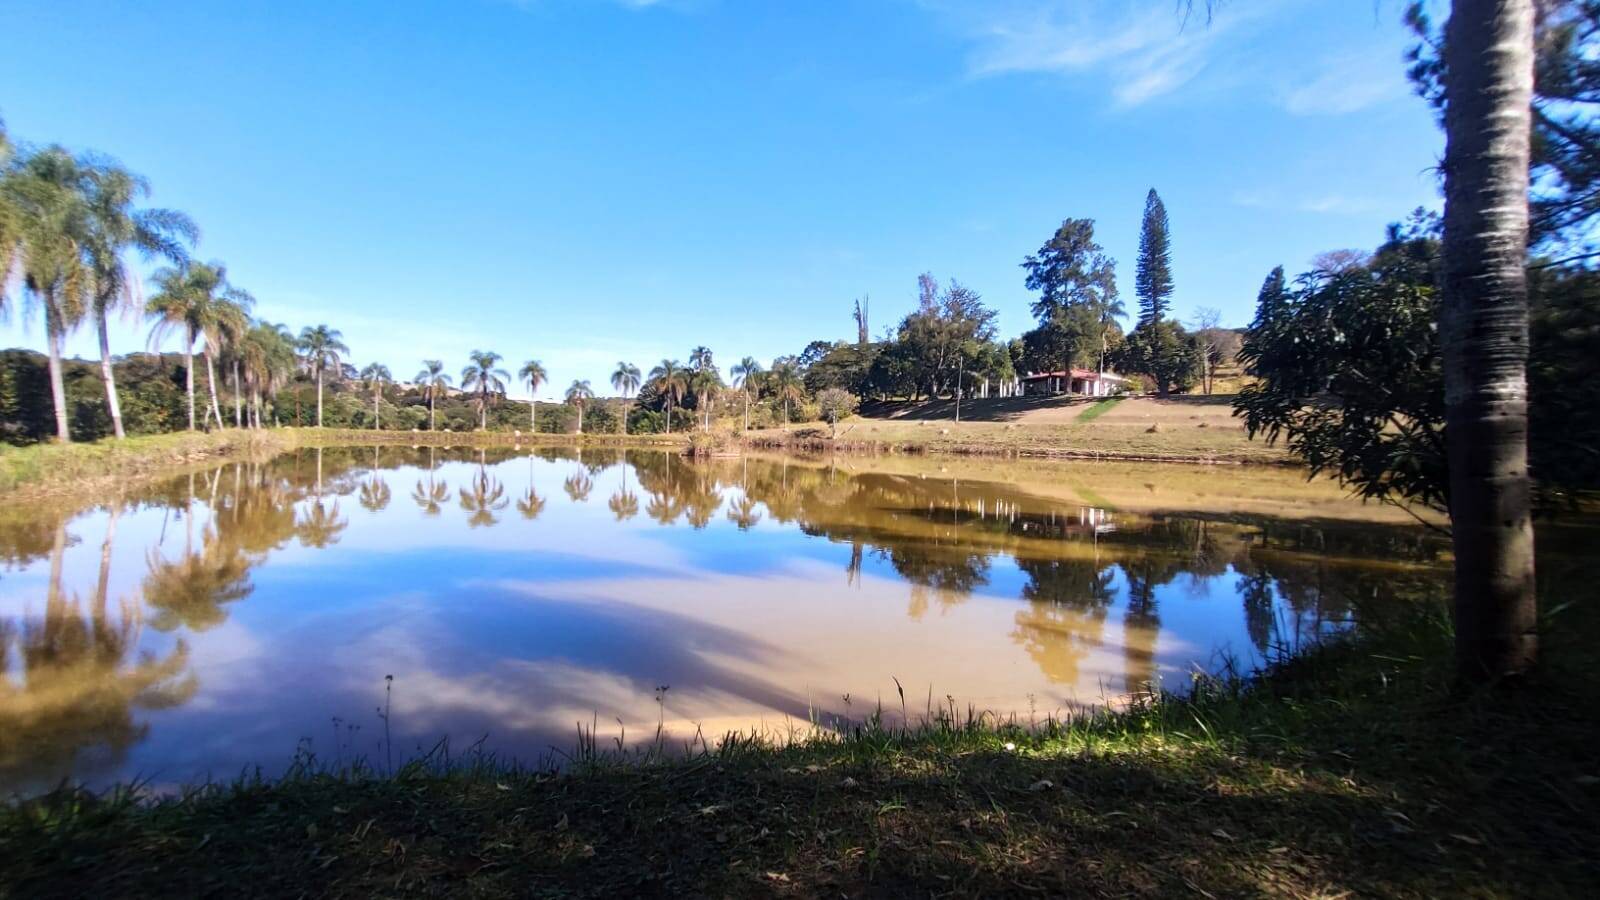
(45, 201)
(671, 382)
(375, 376)
(786, 382)
(625, 380)
(487, 378)
(746, 374)
(268, 356)
(434, 381)
(533, 375)
(531, 504)
(196, 301)
(116, 227)
(578, 395)
(1488, 60)
(706, 380)
(320, 347)
(230, 322)
(578, 485)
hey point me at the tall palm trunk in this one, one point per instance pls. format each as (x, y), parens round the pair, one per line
(1488, 57)
(483, 410)
(669, 414)
(188, 371)
(533, 416)
(430, 410)
(211, 387)
(746, 410)
(106, 375)
(580, 418)
(377, 396)
(55, 330)
(319, 396)
(238, 398)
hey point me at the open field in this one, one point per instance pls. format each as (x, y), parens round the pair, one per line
(1350, 770)
(1189, 429)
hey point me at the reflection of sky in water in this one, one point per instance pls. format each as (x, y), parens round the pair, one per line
(799, 585)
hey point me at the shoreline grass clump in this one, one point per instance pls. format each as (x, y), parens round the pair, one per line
(1351, 768)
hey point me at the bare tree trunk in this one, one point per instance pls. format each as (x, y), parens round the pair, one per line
(109, 377)
(54, 330)
(319, 396)
(238, 398)
(533, 416)
(1488, 59)
(211, 386)
(188, 371)
(430, 410)
(377, 396)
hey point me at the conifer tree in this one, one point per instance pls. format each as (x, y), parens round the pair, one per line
(1153, 282)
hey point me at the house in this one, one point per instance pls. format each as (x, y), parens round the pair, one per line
(1085, 382)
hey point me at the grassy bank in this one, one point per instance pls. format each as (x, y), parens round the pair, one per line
(46, 468)
(1350, 769)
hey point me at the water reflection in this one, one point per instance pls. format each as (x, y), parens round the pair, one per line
(271, 610)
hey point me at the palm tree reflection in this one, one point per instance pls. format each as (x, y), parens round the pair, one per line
(75, 681)
(483, 497)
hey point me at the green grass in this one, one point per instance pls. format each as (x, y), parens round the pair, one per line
(1352, 768)
(1098, 409)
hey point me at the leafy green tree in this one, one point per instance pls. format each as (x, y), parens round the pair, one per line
(1347, 372)
(486, 377)
(837, 403)
(625, 381)
(578, 396)
(1078, 306)
(1153, 278)
(1165, 352)
(435, 382)
(534, 376)
(320, 348)
(941, 336)
(375, 376)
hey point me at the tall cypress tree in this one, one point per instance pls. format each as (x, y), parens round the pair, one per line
(1153, 283)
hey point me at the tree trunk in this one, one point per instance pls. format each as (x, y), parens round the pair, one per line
(109, 377)
(746, 410)
(319, 396)
(54, 329)
(377, 397)
(533, 416)
(238, 398)
(188, 372)
(1484, 328)
(580, 418)
(669, 415)
(430, 410)
(211, 387)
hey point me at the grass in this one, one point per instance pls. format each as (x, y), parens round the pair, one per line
(1097, 410)
(1349, 769)
(42, 468)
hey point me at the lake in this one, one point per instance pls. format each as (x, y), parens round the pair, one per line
(232, 616)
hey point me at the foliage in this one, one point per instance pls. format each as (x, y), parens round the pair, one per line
(1077, 306)
(1565, 161)
(1163, 351)
(1349, 373)
(835, 404)
(1153, 281)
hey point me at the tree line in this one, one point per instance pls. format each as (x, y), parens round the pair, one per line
(71, 226)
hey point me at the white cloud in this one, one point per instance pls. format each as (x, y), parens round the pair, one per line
(1348, 84)
(1143, 48)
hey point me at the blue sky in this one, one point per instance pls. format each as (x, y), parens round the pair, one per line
(584, 181)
